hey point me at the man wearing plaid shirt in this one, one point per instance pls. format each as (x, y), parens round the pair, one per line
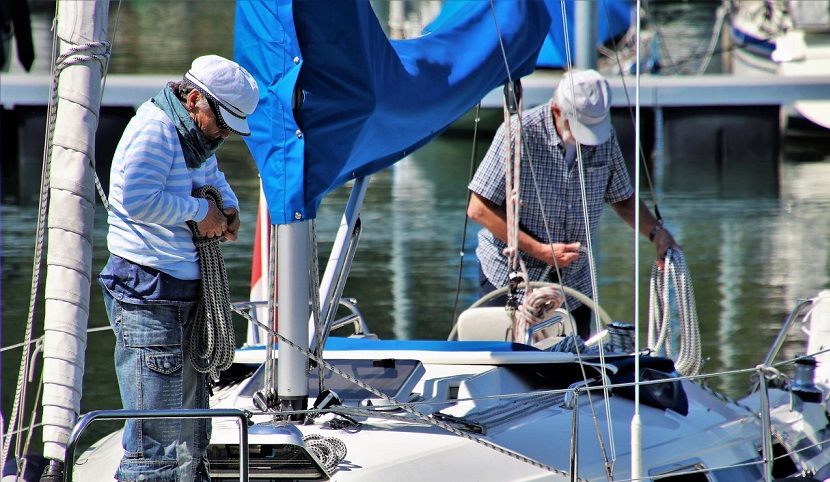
(574, 124)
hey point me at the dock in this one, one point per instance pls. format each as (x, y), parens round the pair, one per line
(708, 132)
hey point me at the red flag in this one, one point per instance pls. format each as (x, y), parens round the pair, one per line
(259, 272)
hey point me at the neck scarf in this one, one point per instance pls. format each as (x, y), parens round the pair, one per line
(196, 148)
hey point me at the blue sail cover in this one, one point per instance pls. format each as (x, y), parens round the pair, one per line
(367, 101)
(613, 19)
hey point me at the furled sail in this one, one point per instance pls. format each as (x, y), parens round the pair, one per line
(82, 29)
(342, 101)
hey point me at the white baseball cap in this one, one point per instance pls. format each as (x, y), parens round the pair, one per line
(584, 97)
(230, 89)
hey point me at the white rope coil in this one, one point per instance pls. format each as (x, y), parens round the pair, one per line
(678, 340)
(212, 340)
(537, 306)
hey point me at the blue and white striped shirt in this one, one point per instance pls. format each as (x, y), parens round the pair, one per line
(606, 181)
(150, 196)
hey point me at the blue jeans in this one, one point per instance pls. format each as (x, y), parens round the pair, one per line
(154, 372)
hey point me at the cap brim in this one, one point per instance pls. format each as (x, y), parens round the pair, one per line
(590, 135)
(237, 125)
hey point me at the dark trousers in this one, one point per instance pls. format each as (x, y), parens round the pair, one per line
(582, 314)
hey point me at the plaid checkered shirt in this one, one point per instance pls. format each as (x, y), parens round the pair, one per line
(559, 197)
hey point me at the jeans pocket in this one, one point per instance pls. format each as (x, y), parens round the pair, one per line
(153, 325)
(164, 363)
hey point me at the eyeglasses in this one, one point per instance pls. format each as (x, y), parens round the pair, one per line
(217, 114)
(214, 107)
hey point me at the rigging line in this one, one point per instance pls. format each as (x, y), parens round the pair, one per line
(314, 280)
(473, 156)
(636, 435)
(106, 66)
(501, 45)
(641, 158)
(720, 17)
(561, 281)
(592, 277)
(19, 402)
(405, 407)
(40, 339)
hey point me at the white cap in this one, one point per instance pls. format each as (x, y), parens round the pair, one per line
(584, 97)
(229, 86)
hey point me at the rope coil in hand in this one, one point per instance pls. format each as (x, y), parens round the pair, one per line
(212, 340)
(682, 345)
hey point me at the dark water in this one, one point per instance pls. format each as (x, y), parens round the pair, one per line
(750, 258)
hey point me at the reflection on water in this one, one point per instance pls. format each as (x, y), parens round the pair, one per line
(750, 259)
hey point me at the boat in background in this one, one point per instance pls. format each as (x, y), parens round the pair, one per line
(784, 38)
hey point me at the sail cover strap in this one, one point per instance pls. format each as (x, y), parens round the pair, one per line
(212, 339)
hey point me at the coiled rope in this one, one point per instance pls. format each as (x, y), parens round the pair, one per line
(329, 450)
(679, 341)
(212, 340)
(537, 306)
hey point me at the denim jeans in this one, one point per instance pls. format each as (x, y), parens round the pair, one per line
(154, 372)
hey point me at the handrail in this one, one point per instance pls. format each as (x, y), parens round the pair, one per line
(533, 329)
(90, 417)
(356, 317)
(785, 330)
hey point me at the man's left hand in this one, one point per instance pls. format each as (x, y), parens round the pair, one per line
(663, 240)
(232, 233)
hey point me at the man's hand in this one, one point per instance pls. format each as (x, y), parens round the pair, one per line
(232, 231)
(563, 254)
(663, 240)
(214, 224)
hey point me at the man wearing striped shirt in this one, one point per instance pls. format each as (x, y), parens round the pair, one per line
(553, 230)
(152, 279)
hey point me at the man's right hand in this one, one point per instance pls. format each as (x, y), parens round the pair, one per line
(214, 223)
(563, 254)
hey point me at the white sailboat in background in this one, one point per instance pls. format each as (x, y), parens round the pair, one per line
(355, 408)
(788, 38)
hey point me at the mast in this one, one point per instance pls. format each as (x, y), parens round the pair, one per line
(293, 287)
(586, 21)
(83, 48)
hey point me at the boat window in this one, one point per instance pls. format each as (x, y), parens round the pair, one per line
(394, 378)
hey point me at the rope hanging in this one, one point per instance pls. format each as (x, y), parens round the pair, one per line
(679, 340)
(212, 340)
(512, 171)
(537, 304)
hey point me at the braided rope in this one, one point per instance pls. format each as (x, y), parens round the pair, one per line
(212, 340)
(512, 173)
(329, 450)
(682, 347)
